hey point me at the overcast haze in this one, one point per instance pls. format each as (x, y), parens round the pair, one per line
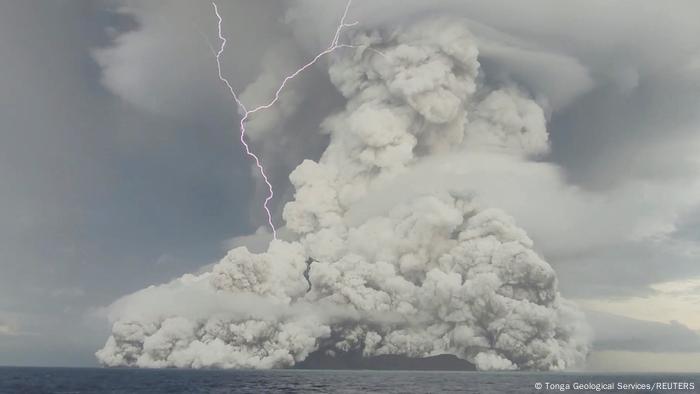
(120, 166)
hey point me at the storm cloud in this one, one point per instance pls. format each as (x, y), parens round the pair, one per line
(121, 169)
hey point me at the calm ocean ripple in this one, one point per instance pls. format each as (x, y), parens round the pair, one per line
(157, 381)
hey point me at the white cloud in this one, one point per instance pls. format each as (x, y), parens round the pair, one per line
(455, 274)
(7, 329)
(409, 104)
(145, 66)
(672, 301)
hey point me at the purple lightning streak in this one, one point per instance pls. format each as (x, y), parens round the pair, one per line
(247, 113)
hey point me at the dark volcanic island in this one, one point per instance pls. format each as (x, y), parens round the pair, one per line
(355, 360)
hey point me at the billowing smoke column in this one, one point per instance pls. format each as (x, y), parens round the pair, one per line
(436, 273)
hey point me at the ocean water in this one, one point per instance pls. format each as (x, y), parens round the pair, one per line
(157, 381)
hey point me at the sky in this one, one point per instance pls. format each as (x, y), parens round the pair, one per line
(120, 166)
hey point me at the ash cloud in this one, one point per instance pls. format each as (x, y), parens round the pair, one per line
(437, 272)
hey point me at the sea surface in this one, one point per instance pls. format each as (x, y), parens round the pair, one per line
(157, 381)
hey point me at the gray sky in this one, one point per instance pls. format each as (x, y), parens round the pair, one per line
(98, 198)
(120, 167)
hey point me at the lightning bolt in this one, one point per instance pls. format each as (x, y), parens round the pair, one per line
(246, 113)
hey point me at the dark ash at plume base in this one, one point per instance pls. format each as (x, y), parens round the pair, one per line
(436, 273)
(355, 360)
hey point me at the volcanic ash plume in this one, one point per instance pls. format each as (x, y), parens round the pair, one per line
(436, 273)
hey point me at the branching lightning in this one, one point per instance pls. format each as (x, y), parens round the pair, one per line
(246, 113)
